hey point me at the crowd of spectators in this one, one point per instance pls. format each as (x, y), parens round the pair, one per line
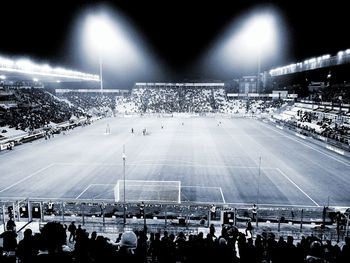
(189, 100)
(327, 125)
(336, 93)
(93, 103)
(34, 108)
(229, 245)
(168, 100)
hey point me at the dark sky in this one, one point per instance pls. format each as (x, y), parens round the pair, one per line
(178, 32)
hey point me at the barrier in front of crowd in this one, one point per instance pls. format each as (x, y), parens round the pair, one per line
(189, 217)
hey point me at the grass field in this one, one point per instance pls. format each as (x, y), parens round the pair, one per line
(213, 159)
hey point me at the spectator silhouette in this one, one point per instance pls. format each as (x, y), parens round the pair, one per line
(9, 242)
(27, 248)
(249, 228)
(52, 240)
(127, 246)
(72, 231)
(11, 225)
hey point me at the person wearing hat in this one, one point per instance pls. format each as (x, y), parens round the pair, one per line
(127, 246)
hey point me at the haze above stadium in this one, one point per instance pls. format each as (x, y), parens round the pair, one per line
(169, 40)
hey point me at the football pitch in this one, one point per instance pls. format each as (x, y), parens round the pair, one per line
(201, 160)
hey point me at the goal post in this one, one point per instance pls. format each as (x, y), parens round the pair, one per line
(149, 191)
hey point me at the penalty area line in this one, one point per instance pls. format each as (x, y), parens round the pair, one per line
(222, 195)
(301, 190)
(27, 177)
(83, 191)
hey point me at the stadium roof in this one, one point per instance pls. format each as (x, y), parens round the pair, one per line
(25, 69)
(342, 57)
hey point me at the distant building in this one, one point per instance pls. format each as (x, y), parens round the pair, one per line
(248, 84)
(280, 94)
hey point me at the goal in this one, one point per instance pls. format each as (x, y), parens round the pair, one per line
(149, 191)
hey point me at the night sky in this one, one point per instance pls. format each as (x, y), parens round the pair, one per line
(179, 33)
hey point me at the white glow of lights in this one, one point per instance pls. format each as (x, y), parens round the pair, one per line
(312, 60)
(25, 64)
(108, 38)
(347, 51)
(105, 41)
(28, 67)
(2, 77)
(58, 81)
(6, 62)
(258, 33)
(101, 33)
(252, 41)
(46, 68)
(340, 53)
(35, 79)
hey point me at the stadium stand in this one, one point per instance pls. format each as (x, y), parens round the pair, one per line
(186, 98)
(33, 108)
(94, 104)
(227, 245)
(329, 122)
(28, 109)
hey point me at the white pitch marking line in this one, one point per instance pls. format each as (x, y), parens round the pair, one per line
(83, 191)
(301, 190)
(309, 146)
(168, 164)
(164, 159)
(27, 177)
(215, 187)
(276, 205)
(206, 187)
(102, 184)
(222, 195)
(199, 202)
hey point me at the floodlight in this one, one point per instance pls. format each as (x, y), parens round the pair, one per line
(258, 33)
(35, 79)
(102, 37)
(25, 64)
(46, 68)
(6, 62)
(2, 77)
(101, 33)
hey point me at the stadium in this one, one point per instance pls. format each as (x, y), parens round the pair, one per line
(270, 150)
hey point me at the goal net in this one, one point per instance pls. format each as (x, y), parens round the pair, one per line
(151, 191)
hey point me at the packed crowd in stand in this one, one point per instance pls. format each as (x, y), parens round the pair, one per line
(226, 245)
(93, 103)
(189, 100)
(333, 124)
(34, 108)
(170, 100)
(338, 93)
